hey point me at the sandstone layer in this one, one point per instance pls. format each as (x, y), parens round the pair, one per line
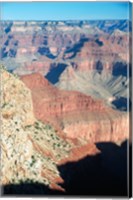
(78, 115)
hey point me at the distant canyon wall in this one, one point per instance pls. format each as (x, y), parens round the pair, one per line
(36, 46)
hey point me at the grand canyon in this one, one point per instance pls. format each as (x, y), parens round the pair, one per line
(65, 107)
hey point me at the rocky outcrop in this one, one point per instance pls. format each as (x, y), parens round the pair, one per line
(78, 115)
(17, 113)
(31, 150)
(14, 104)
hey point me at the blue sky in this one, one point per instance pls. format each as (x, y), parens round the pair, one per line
(64, 10)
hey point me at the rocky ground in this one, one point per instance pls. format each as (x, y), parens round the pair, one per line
(31, 150)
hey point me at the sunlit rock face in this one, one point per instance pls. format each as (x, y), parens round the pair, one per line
(78, 115)
(30, 149)
(17, 113)
(28, 153)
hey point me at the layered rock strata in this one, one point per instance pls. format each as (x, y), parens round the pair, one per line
(78, 115)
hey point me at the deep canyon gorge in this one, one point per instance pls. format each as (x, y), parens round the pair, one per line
(65, 106)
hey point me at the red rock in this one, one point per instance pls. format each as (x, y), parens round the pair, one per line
(78, 115)
(80, 152)
(56, 187)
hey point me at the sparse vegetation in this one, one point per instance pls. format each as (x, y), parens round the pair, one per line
(2, 67)
(43, 135)
(4, 105)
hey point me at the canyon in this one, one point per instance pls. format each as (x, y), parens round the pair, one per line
(46, 44)
(27, 144)
(32, 150)
(87, 56)
(66, 103)
(37, 158)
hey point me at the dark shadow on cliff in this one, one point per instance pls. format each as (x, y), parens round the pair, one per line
(120, 68)
(104, 174)
(28, 189)
(122, 103)
(76, 47)
(55, 72)
(46, 52)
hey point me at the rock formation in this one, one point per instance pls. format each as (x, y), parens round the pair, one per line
(81, 42)
(75, 53)
(78, 115)
(32, 150)
(65, 88)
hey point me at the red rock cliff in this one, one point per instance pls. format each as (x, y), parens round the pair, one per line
(78, 115)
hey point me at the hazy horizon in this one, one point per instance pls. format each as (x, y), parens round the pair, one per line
(47, 20)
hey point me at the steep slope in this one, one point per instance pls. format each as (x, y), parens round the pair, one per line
(99, 85)
(101, 68)
(31, 150)
(20, 161)
(78, 115)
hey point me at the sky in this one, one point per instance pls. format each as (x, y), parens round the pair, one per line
(64, 10)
